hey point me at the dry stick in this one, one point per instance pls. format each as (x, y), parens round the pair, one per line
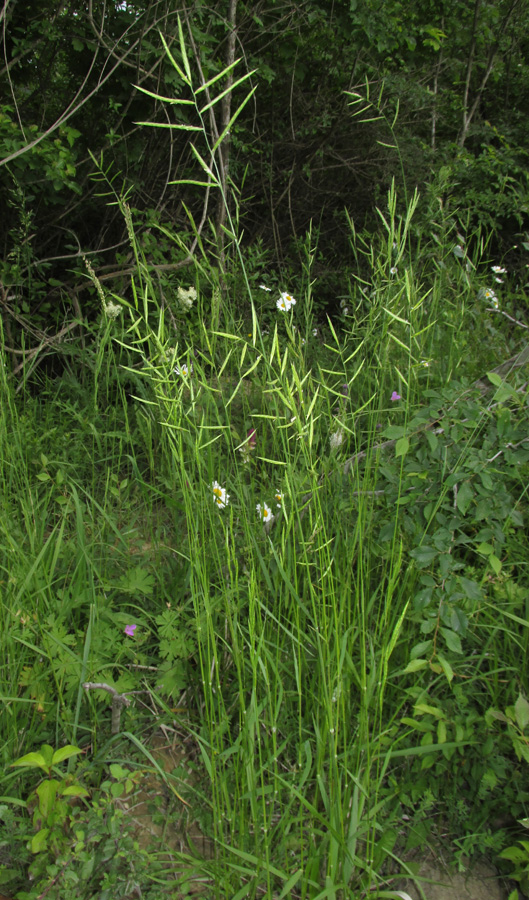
(118, 700)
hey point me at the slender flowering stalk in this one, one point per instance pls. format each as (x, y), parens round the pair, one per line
(220, 497)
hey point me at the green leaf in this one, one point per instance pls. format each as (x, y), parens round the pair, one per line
(465, 495)
(402, 447)
(446, 667)
(495, 563)
(415, 665)
(394, 432)
(64, 753)
(433, 440)
(453, 641)
(521, 710)
(47, 793)
(32, 761)
(495, 379)
(424, 555)
(424, 709)
(74, 790)
(39, 840)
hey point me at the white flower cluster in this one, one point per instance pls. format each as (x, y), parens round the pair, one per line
(220, 497)
(498, 270)
(285, 302)
(186, 298)
(113, 310)
(490, 297)
(336, 439)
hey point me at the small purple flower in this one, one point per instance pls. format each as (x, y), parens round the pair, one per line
(395, 396)
(130, 629)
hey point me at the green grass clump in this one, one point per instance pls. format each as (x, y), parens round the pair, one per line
(332, 655)
(293, 538)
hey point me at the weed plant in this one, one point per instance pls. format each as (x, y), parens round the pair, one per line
(296, 541)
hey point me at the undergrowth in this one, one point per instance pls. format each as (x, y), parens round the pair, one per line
(292, 540)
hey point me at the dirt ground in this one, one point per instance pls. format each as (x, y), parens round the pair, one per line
(438, 883)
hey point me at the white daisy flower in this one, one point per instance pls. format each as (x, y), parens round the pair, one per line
(393, 270)
(285, 302)
(279, 498)
(184, 370)
(265, 513)
(263, 287)
(220, 497)
(487, 294)
(314, 332)
(498, 270)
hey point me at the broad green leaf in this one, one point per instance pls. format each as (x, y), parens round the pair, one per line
(74, 790)
(495, 563)
(495, 379)
(433, 441)
(402, 447)
(394, 432)
(32, 760)
(521, 710)
(415, 665)
(47, 793)
(424, 709)
(453, 641)
(446, 667)
(64, 753)
(424, 555)
(485, 548)
(39, 840)
(419, 649)
(465, 495)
